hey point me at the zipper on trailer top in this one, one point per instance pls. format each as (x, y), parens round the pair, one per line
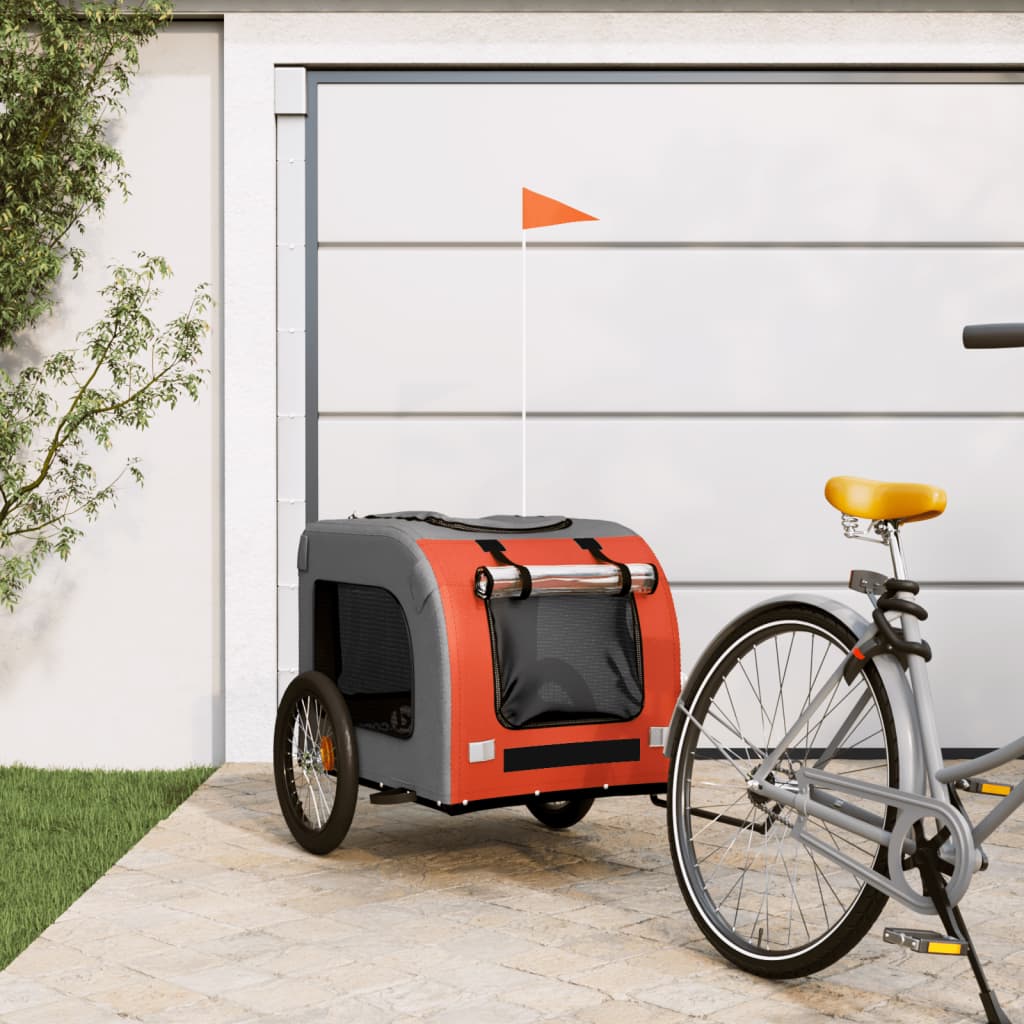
(453, 524)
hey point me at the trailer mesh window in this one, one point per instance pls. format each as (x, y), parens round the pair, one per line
(367, 649)
(566, 660)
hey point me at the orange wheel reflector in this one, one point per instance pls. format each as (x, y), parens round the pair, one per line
(327, 753)
(858, 654)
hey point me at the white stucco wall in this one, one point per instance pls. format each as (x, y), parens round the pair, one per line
(114, 658)
(254, 44)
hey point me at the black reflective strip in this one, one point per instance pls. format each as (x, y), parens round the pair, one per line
(567, 755)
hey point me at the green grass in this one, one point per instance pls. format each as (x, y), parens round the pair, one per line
(62, 830)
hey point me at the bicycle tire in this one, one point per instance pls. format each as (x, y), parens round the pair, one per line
(315, 765)
(763, 899)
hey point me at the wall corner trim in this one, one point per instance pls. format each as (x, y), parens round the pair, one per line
(290, 91)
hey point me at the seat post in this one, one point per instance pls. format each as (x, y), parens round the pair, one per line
(899, 564)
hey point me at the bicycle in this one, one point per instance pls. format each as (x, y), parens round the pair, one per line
(807, 785)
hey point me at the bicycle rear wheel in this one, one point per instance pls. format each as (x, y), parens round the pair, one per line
(766, 901)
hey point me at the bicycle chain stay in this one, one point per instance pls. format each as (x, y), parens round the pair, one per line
(910, 809)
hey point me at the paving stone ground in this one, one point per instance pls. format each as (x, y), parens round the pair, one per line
(218, 916)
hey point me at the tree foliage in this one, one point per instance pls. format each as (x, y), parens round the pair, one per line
(63, 70)
(64, 67)
(50, 415)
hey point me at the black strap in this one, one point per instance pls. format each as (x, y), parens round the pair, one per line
(497, 551)
(591, 545)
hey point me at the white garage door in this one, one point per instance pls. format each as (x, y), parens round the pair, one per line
(772, 295)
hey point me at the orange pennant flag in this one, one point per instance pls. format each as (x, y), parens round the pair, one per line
(541, 211)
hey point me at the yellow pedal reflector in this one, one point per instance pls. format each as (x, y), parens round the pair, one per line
(327, 753)
(994, 789)
(919, 941)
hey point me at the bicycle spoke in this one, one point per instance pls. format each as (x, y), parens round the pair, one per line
(779, 702)
(756, 692)
(730, 759)
(872, 767)
(839, 836)
(748, 745)
(726, 850)
(717, 818)
(793, 902)
(732, 705)
(822, 877)
(743, 876)
(310, 731)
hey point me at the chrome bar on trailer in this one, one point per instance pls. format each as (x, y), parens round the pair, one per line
(506, 580)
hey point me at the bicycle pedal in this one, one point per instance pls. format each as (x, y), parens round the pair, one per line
(984, 786)
(919, 941)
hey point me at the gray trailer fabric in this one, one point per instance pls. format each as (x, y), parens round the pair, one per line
(410, 748)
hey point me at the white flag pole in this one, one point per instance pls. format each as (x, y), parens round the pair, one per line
(550, 211)
(523, 416)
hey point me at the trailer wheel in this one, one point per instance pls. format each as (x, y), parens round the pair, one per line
(315, 765)
(560, 813)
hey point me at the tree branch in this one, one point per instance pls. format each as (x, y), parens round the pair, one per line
(57, 441)
(97, 68)
(36, 527)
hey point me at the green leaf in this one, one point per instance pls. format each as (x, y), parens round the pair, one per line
(64, 70)
(62, 79)
(125, 370)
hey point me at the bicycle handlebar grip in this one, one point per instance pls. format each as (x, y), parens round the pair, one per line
(994, 336)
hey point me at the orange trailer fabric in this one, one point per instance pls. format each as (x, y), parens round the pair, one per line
(474, 718)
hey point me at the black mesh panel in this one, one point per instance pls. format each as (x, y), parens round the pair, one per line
(569, 659)
(376, 659)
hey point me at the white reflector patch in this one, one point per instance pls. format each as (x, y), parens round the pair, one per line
(482, 751)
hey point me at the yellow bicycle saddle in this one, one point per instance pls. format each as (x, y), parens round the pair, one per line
(875, 499)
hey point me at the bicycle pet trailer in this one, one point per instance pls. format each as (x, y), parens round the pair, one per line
(474, 663)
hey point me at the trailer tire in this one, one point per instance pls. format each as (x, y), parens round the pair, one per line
(316, 770)
(560, 813)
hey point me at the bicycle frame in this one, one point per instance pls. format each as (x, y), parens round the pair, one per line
(747, 837)
(925, 783)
